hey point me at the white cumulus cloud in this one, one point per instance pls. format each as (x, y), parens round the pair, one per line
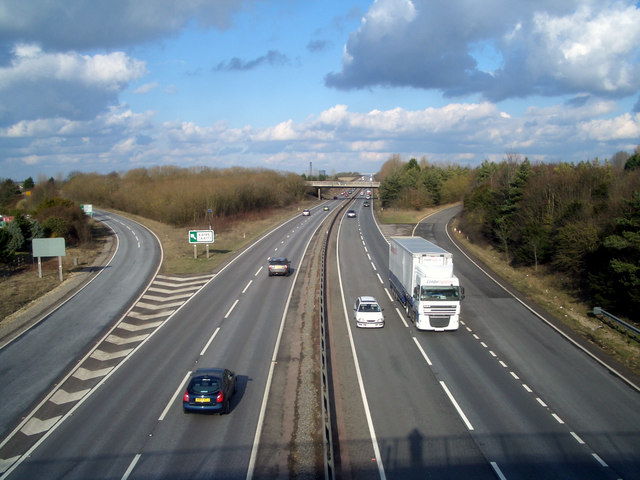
(543, 48)
(37, 84)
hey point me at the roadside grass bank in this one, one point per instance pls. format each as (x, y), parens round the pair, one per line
(545, 288)
(230, 236)
(20, 289)
(397, 216)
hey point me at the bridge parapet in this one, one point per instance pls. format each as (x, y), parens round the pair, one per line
(338, 184)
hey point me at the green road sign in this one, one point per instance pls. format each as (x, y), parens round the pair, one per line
(200, 236)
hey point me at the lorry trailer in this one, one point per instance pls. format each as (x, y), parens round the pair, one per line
(422, 280)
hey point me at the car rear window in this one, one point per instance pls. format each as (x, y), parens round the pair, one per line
(278, 262)
(205, 385)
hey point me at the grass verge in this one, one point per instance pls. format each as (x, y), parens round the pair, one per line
(181, 258)
(543, 287)
(24, 286)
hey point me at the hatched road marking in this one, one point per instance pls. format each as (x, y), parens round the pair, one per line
(170, 293)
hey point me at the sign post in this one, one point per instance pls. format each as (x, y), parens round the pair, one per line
(48, 247)
(200, 236)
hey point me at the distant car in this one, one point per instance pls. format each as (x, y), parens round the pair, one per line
(366, 204)
(351, 214)
(367, 313)
(325, 208)
(279, 266)
(210, 390)
(306, 212)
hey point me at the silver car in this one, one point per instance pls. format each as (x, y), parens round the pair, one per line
(367, 313)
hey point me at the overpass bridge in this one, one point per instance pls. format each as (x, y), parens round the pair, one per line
(320, 184)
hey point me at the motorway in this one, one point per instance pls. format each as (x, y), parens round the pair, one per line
(504, 397)
(128, 422)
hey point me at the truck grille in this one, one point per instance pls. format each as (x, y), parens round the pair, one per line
(440, 310)
(439, 322)
(439, 316)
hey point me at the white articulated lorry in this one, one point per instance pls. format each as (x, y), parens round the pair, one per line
(421, 278)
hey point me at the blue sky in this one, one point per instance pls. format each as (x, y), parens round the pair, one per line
(102, 86)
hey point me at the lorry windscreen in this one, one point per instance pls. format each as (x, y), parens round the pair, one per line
(439, 293)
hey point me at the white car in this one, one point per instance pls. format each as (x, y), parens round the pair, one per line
(368, 313)
(351, 214)
(306, 212)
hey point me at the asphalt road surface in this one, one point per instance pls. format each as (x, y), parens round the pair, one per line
(505, 396)
(36, 360)
(127, 420)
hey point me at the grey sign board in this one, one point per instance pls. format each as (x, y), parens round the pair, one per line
(48, 247)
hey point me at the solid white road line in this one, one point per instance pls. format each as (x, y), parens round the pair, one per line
(455, 404)
(372, 432)
(267, 390)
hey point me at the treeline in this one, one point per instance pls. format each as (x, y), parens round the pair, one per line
(417, 185)
(187, 196)
(38, 211)
(580, 221)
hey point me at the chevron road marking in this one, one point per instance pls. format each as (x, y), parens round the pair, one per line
(61, 397)
(116, 340)
(103, 356)
(157, 307)
(5, 463)
(167, 299)
(36, 426)
(174, 290)
(186, 279)
(177, 291)
(134, 328)
(85, 374)
(167, 284)
(150, 316)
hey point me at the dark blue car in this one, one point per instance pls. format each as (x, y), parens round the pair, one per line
(209, 390)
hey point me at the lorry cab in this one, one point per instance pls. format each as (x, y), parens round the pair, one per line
(421, 278)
